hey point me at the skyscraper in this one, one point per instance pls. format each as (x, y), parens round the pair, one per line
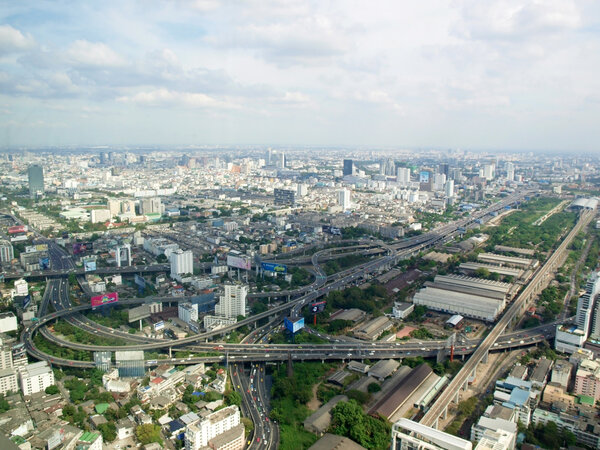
(35, 174)
(510, 171)
(348, 167)
(344, 199)
(403, 176)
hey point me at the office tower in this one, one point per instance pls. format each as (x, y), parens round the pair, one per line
(181, 262)
(348, 167)
(35, 175)
(7, 252)
(281, 161)
(36, 377)
(585, 304)
(510, 171)
(284, 197)
(449, 188)
(439, 180)
(403, 176)
(444, 168)
(455, 174)
(489, 171)
(150, 206)
(302, 190)
(233, 301)
(268, 157)
(344, 199)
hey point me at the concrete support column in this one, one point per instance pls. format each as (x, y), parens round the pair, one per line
(484, 360)
(457, 397)
(445, 413)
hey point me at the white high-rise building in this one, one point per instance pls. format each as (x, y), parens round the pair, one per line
(187, 312)
(8, 381)
(489, 171)
(510, 171)
(439, 180)
(36, 377)
(302, 190)
(344, 199)
(7, 252)
(198, 435)
(403, 176)
(233, 301)
(585, 304)
(449, 188)
(182, 262)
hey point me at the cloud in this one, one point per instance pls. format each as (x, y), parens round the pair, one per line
(83, 53)
(12, 40)
(165, 97)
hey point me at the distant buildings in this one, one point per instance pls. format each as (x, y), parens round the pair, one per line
(344, 199)
(284, 196)
(6, 251)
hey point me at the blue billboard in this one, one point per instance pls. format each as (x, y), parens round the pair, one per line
(89, 266)
(44, 263)
(140, 282)
(274, 267)
(294, 325)
(26, 301)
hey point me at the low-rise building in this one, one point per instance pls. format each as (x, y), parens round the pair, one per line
(319, 421)
(383, 369)
(36, 377)
(373, 329)
(198, 435)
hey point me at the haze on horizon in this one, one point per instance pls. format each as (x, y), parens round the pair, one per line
(487, 75)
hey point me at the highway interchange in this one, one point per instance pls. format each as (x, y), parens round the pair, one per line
(253, 351)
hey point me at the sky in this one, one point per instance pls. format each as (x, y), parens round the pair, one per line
(468, 74)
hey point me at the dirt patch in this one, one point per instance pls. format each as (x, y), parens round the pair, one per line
(314, 402)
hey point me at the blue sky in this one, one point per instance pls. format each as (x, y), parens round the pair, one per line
(465, 74)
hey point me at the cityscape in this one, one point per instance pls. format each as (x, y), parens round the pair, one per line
(238, 254)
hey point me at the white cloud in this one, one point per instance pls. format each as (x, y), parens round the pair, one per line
(12, 40)
(83, 53)
(165, 97)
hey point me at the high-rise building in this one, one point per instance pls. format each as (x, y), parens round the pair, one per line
(151, 206)
(187, 312)
(444, 168)
(7, 252)
(35, 174)
(182, 262)
(585, 304)
(130, 363)
(8, 381)
(302, 190)
(227, 420)
(284, 196)
(36, 377)
(344, 199)
(510, 171)
(403, 176)
(489, 171)
(233, 301)
(6, 360)
(348, 167)
(449, 189)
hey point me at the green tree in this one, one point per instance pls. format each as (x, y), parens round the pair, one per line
(148, 433)
(233, 398)
(108, 431)
(51, 390)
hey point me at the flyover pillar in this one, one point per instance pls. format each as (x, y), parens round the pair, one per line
(484, 360)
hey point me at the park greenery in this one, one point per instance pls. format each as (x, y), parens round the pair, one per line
(74, 334)
(348, 419)
(345, 262)
(549, 436)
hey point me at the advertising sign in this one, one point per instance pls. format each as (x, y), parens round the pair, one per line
(317, 307)
(140, 281)
(424, 177)
(82, 247)
(26, 301)
(89, 265)
(159, 325)
(273, 267)
(105, 299)
(17, 229)
(36, 248)
(139, 313)
(294, 325)
(238, 262)
(44, 263)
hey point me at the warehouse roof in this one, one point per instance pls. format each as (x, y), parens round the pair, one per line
(335, 442)
(383, 368)
(389, 404)
(500, 270)
(319, 421)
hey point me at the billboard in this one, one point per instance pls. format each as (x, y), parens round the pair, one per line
(82, 247)
(44, 263)
(238, 262)
(424, 176)
(294, 325)
(317, 307)
(89, 265)
(26, 301)
(140, 282)
(139, 313)
(36, 248)
(17, 229)
(273, 267)
(159, 325)
(105, 299)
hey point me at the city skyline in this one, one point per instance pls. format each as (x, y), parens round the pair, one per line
(512, 76)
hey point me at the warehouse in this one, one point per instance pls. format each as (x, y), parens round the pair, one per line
(383, 369)
(471, 267)
(469, 285)
(373, 329)
(518, 251)
(467, 305)
(400, 399)
(319, 421)
(495, 258)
